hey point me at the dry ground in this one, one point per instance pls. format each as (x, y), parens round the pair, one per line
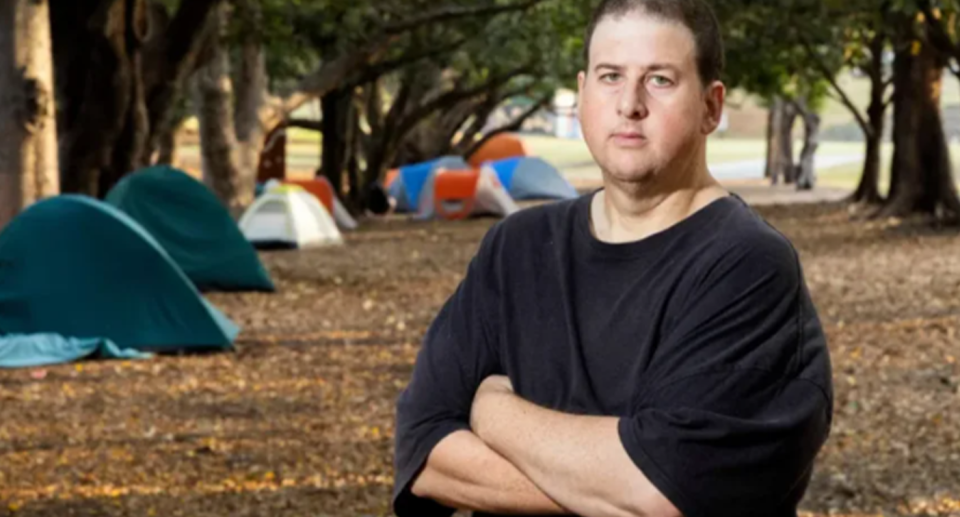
(299, 420)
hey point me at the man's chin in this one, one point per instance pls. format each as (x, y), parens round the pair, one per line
(631, 175)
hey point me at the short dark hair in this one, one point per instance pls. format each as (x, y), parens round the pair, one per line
(695, 15)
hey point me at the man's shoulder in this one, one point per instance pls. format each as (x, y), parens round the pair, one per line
(536, 224)
(744, 236)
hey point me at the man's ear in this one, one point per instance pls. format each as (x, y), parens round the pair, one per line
(714, 97)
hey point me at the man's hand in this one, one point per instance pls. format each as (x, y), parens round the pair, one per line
(492, 388)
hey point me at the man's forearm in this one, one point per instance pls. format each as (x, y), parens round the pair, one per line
(462, 472)
(577, 460)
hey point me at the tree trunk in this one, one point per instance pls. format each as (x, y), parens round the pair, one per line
(212, 87)
(357, 178)
(780, 122)
(337, 107)
(94, 81)
(170, 55)
(805, 171)
(130, 146)
(773, 123)
(115, 87)
(251, 101)
(868, 191)
(786, 167)
(28, 132)
(168, 143)
(921, 178)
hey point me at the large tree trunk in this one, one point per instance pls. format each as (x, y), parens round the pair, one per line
(28, 132)
(95, 85)
(805, 170)
(868, 191)
(921, 178)
(131, 144)
(115, 87)
(212, 87)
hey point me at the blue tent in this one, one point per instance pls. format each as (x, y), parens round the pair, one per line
(532, 178)
(193, 227)
(407, 187)
(21, 351)
(77, 267)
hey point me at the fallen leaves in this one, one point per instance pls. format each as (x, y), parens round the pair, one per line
(300, 420)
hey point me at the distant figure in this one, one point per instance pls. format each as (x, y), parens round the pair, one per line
(376, 199)
(273, 157)
(647, 349)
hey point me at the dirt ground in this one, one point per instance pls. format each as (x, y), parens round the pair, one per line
(299, 420)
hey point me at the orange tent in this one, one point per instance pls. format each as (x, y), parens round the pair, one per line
(500, 147)
(320, 188)
(391, 176)
(454, 193)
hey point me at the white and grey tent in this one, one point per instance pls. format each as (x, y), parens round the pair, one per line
(289, 217)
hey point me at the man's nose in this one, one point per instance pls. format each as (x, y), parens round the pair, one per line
(632, 102)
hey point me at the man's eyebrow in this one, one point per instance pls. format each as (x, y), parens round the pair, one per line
(662, 66)
(650, 68)
(608, 66)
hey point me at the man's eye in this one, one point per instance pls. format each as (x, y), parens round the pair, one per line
(611, 77)
(659, 80)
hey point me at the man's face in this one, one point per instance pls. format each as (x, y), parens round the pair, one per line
(643, 108)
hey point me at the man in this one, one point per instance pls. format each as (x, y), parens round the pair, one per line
(647, 350)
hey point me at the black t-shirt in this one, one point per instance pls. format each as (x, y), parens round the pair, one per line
(702, 339)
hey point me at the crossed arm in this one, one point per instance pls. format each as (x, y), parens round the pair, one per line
(524, 459)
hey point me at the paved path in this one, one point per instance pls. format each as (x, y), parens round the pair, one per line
(745, 178)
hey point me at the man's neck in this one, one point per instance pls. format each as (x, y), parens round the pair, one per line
(630, 213)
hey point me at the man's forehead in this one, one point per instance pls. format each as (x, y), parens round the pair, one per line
(638, 39)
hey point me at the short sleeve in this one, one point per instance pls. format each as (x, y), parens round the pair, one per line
(458, 352)
(737, 402)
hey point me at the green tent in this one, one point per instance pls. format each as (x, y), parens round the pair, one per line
(77, 267)
(194, 227)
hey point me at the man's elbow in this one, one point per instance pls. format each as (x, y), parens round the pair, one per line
(647, 504)
(423, 485)
(656, 505)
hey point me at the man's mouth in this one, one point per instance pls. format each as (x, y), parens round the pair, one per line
(629, 138)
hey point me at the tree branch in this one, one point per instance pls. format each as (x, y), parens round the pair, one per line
(886, 103)
(824, 70)
(453, 13)
(374, 72)
(333, 73)
(454, 96)
(938, 34)
(327, 77)
(168, 58)
(514, 125)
